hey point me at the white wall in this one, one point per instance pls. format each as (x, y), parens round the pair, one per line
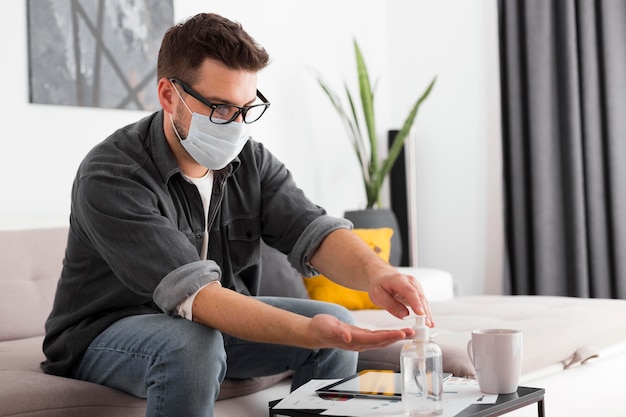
(405, 43)
(458, 151)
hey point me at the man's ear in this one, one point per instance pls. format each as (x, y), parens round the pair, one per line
(165, 90)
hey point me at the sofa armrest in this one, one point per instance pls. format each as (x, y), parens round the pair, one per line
(438, 285)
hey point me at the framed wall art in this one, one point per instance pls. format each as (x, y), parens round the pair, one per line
(96, 53)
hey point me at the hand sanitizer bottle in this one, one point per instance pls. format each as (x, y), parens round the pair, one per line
(422, 374)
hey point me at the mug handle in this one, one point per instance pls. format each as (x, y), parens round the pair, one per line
(470, 351)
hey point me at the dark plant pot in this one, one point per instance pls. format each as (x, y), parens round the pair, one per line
(375, 218)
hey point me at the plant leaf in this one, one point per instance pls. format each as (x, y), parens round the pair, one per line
(360, 145)
(373, 173)
(350, 125)
(367, 103)
(403, 134)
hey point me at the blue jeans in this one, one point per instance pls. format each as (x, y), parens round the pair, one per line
(178, 365)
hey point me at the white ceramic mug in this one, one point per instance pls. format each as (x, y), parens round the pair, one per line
(497, 358)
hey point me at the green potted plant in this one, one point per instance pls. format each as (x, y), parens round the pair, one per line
(374, 170)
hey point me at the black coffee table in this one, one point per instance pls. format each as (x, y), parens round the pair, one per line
(505, 404)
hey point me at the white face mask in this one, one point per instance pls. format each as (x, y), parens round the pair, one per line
(212, 145)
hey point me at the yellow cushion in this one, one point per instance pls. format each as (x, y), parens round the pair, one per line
(323, 289)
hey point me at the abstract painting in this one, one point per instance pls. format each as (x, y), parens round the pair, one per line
(96, 53)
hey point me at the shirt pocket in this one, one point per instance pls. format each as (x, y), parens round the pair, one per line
(244, 243)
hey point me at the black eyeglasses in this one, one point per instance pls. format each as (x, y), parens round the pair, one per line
(226, 113)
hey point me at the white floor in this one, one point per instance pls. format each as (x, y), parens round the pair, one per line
(597, 388)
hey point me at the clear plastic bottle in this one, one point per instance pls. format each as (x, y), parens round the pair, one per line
(422, 374)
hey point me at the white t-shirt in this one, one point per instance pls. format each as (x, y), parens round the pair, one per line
(205, 186)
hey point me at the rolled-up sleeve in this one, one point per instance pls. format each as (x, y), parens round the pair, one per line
(184, 282)
(311, 239)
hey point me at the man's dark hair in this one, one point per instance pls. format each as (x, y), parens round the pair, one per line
(186, 45)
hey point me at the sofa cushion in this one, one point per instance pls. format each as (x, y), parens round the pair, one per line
(556, 330)
(27, 391)
(278, 277)
(31, 265)
(323, 289)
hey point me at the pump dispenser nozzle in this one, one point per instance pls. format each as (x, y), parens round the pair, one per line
(421, 331)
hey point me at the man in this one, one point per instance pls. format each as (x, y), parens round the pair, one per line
(157, 294)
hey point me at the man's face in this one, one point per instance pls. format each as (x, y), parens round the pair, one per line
(216, 84)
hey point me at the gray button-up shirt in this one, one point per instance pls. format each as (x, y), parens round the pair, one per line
(136, 231)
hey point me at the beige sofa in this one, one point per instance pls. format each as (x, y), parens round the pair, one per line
(559, 333)
(30, 264)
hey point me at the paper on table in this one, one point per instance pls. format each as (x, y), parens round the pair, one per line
(459, 393)
(305, 398)
(366, 407)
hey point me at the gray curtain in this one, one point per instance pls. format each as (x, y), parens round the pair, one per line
(563, 80)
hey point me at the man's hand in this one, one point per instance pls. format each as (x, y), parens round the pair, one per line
(326, 331)
(347, 260)
(395, 291)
